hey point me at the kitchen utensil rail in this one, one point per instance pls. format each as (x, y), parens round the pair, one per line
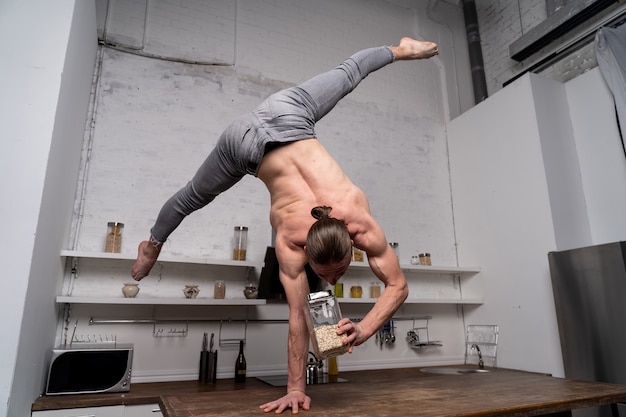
(94, 321)
(176, 330)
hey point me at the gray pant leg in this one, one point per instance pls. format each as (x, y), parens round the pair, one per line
(216, 174)
(328, 88)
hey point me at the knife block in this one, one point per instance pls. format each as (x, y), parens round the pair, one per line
(208, 367)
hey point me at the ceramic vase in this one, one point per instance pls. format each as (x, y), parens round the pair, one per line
(130, 289)
(191, 291)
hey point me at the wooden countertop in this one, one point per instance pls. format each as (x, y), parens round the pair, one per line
(376, 393)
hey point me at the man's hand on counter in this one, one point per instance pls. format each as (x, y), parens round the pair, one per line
(293, 399)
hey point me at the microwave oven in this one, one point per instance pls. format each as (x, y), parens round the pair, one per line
(90, 368)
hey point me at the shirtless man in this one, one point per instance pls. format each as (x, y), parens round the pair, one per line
(317, 212)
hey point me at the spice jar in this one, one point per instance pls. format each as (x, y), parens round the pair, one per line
(323, 321)
(240, 243)
(114, 237)
(339, 290)
(424, 258)
(219, 291)
(375, 290)
(357, 255)
(356, 291)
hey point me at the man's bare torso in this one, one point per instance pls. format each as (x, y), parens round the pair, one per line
(302, 175)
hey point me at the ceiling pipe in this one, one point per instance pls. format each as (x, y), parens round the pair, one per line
(475, 51)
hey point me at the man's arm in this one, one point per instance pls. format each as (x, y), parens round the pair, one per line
(291, 260)
(384, 264)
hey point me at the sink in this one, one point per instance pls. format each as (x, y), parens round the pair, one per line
(453, 371)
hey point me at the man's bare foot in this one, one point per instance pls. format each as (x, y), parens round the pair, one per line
(413, 49)
(147, 255)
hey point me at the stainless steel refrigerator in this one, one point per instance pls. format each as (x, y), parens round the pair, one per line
(590, 296)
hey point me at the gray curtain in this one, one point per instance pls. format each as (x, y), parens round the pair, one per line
(611, 56)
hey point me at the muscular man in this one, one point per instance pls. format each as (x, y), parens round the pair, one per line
(317, 212)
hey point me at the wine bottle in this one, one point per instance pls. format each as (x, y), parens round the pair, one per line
(240, 365)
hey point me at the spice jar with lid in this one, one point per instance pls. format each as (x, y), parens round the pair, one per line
(356, 291)
(339, 290)
(240, 243)
(374, 290)
(219, 291)
(114, 237)
(357, 255)
(424, 258)
(323, 321)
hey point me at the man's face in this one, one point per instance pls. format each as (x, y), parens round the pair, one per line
(331, 272)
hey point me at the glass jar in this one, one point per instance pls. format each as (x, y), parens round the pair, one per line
(424, 258)
(240, 243)
(114, 237)
(356, 291)
(374, 290)
(357, 255)
(219, 292)
(339, 290)
(323, 321)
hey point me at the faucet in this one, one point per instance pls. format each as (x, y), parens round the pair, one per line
(481, 363)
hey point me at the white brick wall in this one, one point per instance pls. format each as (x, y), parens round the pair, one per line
(501, 23)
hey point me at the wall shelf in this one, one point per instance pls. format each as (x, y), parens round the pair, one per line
(434, 269)
(415, 301)
(162, 259)
(160, 301)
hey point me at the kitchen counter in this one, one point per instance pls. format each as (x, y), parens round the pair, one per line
(391, 392)
(140, 393)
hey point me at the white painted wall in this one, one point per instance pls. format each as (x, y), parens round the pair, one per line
(535, 168)
(45, 82)
(504, 224)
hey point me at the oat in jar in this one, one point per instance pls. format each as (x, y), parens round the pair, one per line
(323, 321)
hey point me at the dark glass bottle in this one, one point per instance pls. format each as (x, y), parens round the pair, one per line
(240, 365)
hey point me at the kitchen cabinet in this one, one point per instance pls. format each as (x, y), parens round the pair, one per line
(108, 411)
(98, 267)
(143, 410)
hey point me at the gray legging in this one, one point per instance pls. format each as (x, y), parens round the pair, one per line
(284, 117)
